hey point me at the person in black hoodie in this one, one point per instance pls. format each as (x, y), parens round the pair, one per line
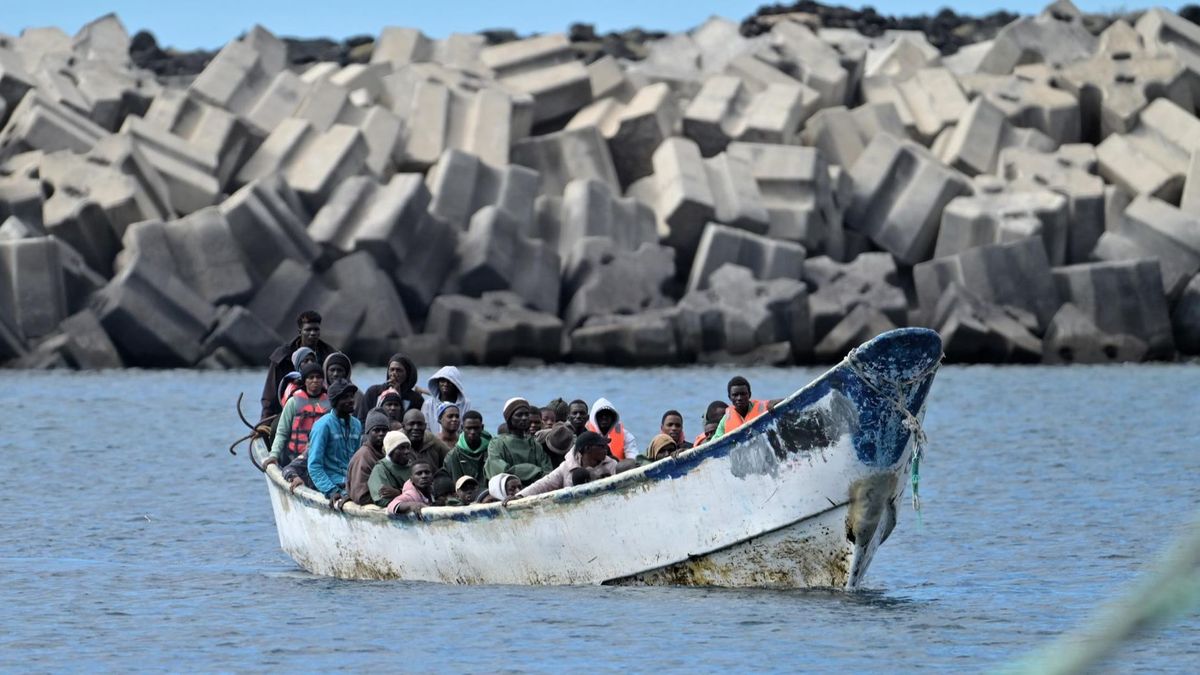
(401, 376)
(280, 362)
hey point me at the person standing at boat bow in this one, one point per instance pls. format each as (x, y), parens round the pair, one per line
(742, 408)
(309, 325)
(515, 451)
(332, 443)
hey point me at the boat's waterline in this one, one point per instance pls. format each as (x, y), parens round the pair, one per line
(787, 501)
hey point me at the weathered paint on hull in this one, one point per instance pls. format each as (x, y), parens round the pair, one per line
(799, 498)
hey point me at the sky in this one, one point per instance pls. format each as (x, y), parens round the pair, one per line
(206, 24)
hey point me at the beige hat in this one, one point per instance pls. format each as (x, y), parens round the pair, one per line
(393, 440)
(463, 480)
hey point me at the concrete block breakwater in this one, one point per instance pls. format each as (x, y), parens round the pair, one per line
(771, 192)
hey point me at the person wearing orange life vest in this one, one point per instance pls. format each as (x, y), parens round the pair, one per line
(299, 414)
(606, 421)
(742, 408)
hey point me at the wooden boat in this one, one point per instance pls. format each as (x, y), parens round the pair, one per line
(800, 497)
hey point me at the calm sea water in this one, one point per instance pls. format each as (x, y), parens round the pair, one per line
(132, 540)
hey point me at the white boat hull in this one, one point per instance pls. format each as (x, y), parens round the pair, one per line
(787, 501)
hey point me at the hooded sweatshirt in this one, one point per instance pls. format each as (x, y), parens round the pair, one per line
(621, 442)
(430, 407)
(411, 399)
(463, 461)
(560, 477)
(279, 366)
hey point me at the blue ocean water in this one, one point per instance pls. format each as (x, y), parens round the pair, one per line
(132, 540)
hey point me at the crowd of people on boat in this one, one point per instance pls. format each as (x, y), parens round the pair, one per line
(402, 447)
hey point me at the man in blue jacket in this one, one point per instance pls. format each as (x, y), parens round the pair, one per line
(332, 442)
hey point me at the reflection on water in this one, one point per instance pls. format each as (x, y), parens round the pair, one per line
(133, 539)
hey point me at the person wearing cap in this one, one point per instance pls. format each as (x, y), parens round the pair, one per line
(402, 379)
(467, 457)
(590, 452)
(299, 415)
(557, 439)
(465, 489)
(712, 417)
(358, 472)
(280, 361)
(515, 451)
(425, 444)
(332, 443)
(390, 473)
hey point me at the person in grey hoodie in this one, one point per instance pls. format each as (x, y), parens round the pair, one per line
(444, 387)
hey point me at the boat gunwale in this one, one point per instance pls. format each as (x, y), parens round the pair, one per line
(671, 467)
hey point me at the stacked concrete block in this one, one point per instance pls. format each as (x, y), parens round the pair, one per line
(1073, 337)
(399, 46)
(1071, 172)
(13, 228)
(720, 41)
(1028, 102)
(241, 333)
(765, 258)
(590, 208)
(600, 278)
(900, 190)
(974, 144)
(871, 280)
(634, 129)
(1189, 201)
(495, 255)
(15, 80)
(545, 68)
(567, 155)
(1121, 298)
(646, 338)
(740, 313)
(1185, 318)
(796, 188)
(268, 222)
(189, 172)
(85, 345)
(900, 57)
(80, 221)
(363, 215)
(841, 135)
(153, 317)
(1016, 274)
(974, 330)
(1120, 80)
(444, 109)
(1167, 34)
(313, 163)
(210, 130)
(1153, 157)
(728, 109)
(861, 324)
(679, 193)
(991, 217)
(1154, 229)
(149, 196)
(736, 199)
(40, 124)
(818, 65)
(927, 102)
(1055, 37)
(199, 249)
(496, 328)
(385, 322)
(32, 288)
(124, 198)
(461, 185)
(291, 289)
(325, 103)
(242, 75)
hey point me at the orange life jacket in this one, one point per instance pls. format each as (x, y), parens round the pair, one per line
(308, 411)
(617, 442)
(700, 440)
(733, 419)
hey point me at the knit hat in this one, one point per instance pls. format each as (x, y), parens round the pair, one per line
(377, 418)
(558, 438)
(341, 388)
(299, 355)
(588, 438)
(442, 408)
(339, 358)
(390, 395)
(560, 408)
(309, 369)
(287, 379)
(512, 405)
(393, 440)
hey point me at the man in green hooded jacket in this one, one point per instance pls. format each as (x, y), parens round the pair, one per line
(517, 452)
(468, 456)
